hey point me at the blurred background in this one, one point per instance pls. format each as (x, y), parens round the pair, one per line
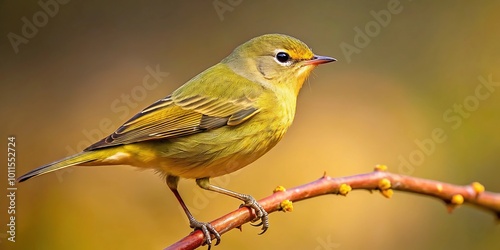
(73, 72)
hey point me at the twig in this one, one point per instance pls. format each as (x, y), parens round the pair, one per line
(385, 182)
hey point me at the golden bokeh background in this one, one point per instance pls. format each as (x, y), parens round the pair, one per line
(68, 86)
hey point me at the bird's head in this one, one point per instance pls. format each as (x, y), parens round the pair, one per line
(275, 61)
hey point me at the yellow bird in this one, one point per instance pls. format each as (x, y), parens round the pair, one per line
(218, 122)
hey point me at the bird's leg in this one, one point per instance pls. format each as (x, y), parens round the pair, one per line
(248, 200)
(205, 227)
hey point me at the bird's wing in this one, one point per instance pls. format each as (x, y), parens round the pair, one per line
(189, 110)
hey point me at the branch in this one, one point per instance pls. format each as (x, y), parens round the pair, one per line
(385, 182)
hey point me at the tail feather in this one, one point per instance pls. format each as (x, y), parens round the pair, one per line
(83, 157)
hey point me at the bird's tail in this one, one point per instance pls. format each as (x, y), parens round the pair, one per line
(81, 158)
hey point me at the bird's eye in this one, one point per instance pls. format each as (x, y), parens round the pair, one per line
(282, 57)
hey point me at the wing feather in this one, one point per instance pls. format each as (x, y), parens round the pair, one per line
(178, 115)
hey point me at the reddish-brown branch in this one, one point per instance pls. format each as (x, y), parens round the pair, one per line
(370, 181)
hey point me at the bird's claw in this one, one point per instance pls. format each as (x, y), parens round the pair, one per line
(260, 213)
(257, 225)
(207, 229)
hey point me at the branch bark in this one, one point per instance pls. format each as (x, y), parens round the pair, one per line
(380, 180)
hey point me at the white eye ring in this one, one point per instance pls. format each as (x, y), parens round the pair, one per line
(283, 58)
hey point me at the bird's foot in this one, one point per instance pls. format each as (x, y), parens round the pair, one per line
(260, 213)
(207, 229)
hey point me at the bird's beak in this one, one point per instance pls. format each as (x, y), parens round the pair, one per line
(316, 60)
